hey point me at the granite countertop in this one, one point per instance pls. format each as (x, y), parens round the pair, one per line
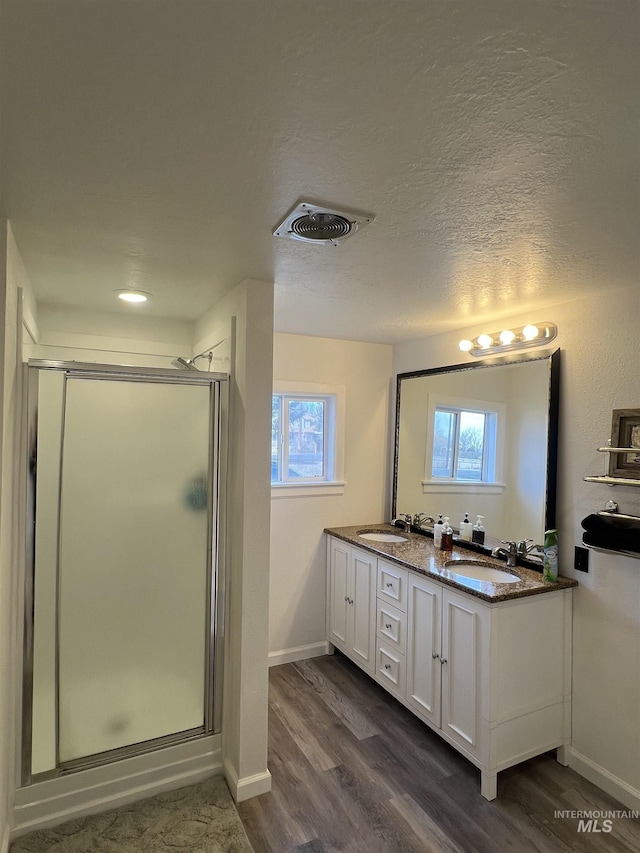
(420, 555)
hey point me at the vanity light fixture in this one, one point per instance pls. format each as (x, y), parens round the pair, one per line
(134, 297)
(507, 336)
(510, 339)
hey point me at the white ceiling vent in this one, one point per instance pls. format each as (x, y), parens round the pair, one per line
(311, 223)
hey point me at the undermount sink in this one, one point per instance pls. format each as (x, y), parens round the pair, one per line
(476, 570)
(381, 536)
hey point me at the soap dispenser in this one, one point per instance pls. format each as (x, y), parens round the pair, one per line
(466, 528)
(446, 543)
(437, 531)
(477, 534)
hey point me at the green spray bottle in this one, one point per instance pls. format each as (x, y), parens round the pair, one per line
(550, 558)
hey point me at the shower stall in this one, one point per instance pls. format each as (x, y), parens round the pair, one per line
(124, 588)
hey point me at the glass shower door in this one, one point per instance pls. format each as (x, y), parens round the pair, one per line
(135, 538)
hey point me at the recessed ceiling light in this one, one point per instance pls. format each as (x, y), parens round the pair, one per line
(133, 296)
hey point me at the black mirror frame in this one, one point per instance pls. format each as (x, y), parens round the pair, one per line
(553, 356)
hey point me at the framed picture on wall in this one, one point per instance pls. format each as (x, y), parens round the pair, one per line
(625, 432)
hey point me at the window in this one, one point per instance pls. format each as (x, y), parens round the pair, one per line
(463, 445)
(305, 424)
(465, 442)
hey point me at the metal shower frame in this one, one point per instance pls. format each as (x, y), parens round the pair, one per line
(219, 416)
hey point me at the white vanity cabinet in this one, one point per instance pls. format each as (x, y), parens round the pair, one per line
(492, 678)
(447, 639)
(351, 611)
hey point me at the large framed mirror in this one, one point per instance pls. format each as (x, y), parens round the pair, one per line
(481, 439)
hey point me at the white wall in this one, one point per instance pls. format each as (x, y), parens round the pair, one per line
(241, 329)
(245, 317)
(134, 338)
(599, 372)
(12, 277)
(298, 561)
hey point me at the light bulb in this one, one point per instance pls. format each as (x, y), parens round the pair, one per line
(484, 341)
(529, 333)
(466, 345)
(507, 336)
(133, 296)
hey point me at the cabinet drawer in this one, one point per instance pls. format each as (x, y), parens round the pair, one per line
(392, 626)
(391, 669)
(392, 584)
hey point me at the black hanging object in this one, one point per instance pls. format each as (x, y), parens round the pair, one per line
(611, 531)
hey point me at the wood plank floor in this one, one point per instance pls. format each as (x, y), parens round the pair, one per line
(355, 771)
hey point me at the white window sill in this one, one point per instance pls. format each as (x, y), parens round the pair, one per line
(435, 487)
(307, 489)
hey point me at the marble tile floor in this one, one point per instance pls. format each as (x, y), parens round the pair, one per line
(197, 819)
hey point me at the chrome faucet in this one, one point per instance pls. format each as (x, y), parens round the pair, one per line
(510, 552)
(406, 520)
(421, 517)
(526, 546)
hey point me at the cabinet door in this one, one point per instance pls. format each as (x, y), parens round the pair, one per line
(463, 624)
(423, 648)
(339, 610)
(363, 607)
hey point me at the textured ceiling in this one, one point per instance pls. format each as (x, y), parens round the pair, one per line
(155, 144)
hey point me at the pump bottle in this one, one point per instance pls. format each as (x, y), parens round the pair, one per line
(446, 543)
(437, 531)
(477, 535)
(466, 528)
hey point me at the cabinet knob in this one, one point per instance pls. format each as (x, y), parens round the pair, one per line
(435, 655)
(387, 624)
(443, 660)
(387, 666)
(389, 584)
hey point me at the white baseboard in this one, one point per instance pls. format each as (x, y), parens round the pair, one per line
(313, 650)
(628, 796)
(249, 786)
(49, 803)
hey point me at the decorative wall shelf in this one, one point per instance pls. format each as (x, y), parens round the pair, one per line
(609, 530)
(612, 481)
(607, 479)
(611, 551)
